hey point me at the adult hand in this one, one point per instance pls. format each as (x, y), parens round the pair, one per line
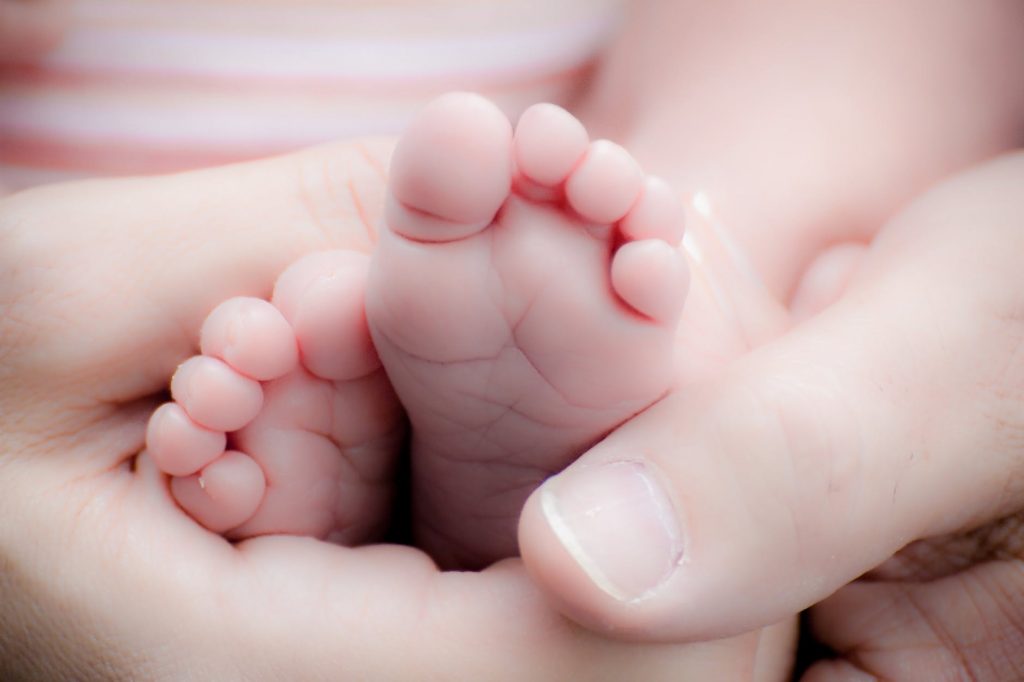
(892, 421)
(103, 287)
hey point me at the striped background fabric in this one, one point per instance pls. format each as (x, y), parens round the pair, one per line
(147, 86)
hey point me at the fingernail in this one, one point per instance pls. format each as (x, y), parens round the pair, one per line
(618, 524)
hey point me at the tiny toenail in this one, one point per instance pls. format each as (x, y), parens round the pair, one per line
(619, 525)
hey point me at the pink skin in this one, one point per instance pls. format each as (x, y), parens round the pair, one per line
(285, 422)
(96, 534)
(830, 118)
(524, 299)
(102, 569)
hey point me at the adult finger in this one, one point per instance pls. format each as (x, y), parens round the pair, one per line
(961, 626)
(946, 607)
(104, 578)
(892, 416)
(191, 241)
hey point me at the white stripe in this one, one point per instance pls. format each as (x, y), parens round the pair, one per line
(272, 121)
(196, 122)
(336, 17)
(547, 49)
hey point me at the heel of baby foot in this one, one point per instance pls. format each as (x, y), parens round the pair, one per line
(451, 170)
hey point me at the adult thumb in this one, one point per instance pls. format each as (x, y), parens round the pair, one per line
(889, 417)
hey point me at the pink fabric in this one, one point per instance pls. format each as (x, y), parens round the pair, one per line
(144, 86)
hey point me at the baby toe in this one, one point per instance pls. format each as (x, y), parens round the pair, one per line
(178, 445)
(652, 277)
(225, 494)
(657, 214)
(251, 336)
(323, 297)
(451, 169)
(549, 143)
(605, 184)
(214, 395)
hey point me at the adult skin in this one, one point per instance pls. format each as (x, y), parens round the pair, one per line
(103, 287)
(891, 422)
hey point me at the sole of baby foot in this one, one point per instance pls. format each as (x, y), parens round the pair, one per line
(524, 299)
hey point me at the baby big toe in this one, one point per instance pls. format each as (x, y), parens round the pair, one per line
(652, 277)
(605, 184)
(214, 395)
(225, 494)
(251, 336)
(322, 295)
(451, 170)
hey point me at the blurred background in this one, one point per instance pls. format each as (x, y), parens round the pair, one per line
(153, 86)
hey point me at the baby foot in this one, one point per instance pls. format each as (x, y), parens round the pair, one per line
(285, 423)
(523, 298)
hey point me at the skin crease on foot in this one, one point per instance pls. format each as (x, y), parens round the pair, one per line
(832, 279)
(524, 298)
(104, 577)
(509, 213)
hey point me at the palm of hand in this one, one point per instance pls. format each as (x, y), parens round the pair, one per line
(103, 577)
